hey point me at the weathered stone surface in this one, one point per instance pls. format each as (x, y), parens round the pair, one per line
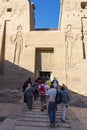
(8, 124)
(10, 95)
(22, 118)
(25, 52)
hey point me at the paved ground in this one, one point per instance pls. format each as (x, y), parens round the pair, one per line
(18, 117)
(81, 114)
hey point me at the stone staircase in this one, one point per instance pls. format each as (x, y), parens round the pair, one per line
(21, 118)
(35, 119)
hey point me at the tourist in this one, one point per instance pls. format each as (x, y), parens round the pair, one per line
(41, 90)
(24, 88)
(28, 81)
(51, 94)
(65, 101)
(46, 89)
(35, 86)
(29, 96)
(55, 82)
(48, 81)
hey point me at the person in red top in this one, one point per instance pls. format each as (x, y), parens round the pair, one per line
(41, 89)
(28, 81)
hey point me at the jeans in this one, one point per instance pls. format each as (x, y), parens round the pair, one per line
(52, 112)
(63, 111)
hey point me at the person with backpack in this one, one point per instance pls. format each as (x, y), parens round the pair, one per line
(42, 91)
(51, 94)
(35, 86)
(29, 91)
(65, 100)
(58, 98)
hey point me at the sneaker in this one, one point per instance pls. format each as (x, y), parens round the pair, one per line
(63, 120)
(66, 106)
(51, 125)
(45, 106)
(42, 109)
(55, 125)
(30, 109)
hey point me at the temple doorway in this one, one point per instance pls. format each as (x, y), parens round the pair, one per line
(44, 73)
(44, 61)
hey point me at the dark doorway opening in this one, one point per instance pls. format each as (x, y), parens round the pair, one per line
(44, 73)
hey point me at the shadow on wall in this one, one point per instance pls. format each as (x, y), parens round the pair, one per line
(76, 99)
(14, 76)
(11, 82)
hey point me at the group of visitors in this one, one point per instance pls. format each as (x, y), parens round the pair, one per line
(47, 92)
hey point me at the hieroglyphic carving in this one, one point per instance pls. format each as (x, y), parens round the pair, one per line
(3, 11)
(21, 10)
(5, 0)
(0, 26)
(72, 7)
(18, 11)
(18, 45)
(14, 11)
(69, 43)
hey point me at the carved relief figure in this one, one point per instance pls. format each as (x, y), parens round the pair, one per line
(18, 45)
(69, 43)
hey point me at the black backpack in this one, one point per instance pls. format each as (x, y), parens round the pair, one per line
(58, 98)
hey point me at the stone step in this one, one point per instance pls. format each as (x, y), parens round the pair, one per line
(39, 128)
(40, 124)
(22, 118)
(36, 119)
(38, 113)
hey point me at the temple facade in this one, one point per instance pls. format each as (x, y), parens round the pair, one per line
(29, 52)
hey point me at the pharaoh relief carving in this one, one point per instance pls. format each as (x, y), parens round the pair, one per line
(70, 40)
(18, 41)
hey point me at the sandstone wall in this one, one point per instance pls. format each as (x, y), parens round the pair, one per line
(26, 66)
(73, 22)
(18, 45)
